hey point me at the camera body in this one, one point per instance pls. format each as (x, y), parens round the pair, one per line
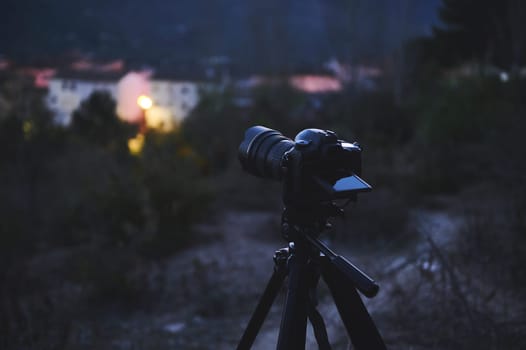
(315, 164)
(315, 167)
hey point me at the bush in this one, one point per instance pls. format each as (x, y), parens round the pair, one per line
(371, 118)
(214, 130)
(455, 139)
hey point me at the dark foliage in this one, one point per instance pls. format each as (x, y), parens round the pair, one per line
(461, 132)
(489, 31)
(214, 128)
(97, 123)
(80, 213)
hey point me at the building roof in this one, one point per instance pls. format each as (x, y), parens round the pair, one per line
(168, 75)
(90, 75)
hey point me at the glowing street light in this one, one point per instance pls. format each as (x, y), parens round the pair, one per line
(136, 144)
(144, 102)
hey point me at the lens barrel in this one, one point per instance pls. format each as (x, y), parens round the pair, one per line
(262, 150)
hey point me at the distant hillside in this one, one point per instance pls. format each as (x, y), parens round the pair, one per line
(272, 33)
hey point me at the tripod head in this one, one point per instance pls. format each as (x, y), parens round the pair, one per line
(302, 228)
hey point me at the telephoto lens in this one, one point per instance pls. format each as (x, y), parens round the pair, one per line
(262, 151)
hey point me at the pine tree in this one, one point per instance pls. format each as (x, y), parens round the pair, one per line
(490, 32)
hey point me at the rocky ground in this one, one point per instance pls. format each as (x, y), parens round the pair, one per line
(206, 293)
(210, 290)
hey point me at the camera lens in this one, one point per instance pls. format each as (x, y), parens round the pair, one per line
(262, 150)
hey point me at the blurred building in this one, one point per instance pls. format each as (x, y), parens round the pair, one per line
(173, 98)
(4, 63)
(176, 98)
(67, 90)
(315, 84)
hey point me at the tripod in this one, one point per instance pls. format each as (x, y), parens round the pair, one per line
(304, 261)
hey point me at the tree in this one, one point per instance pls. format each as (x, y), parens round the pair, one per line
(96, 121)
(30, 143)
(214, 128)
(487, 31)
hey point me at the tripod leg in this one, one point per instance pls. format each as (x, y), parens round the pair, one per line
(262, 309)
(358, 323)
(314, 316)
(320, 331)
(292, 333)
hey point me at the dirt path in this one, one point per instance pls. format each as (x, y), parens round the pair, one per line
(214, 287)
(211, 289)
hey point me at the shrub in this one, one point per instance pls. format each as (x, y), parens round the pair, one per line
(176, 191)
(214, 130)
(372, 118)
(455, 143)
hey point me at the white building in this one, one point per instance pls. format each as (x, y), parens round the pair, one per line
(178, 97)
(172, 99)
(67, 92)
